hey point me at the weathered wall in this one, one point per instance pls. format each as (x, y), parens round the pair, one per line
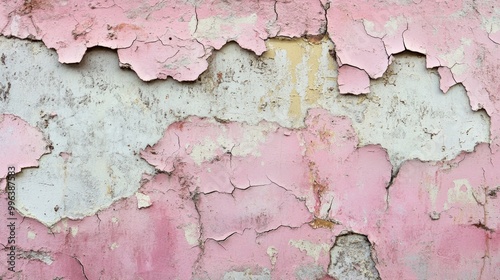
(350, 140)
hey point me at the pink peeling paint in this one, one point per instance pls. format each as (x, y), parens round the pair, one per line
(160, 39)
(261, 208)
(363, 39)
(447, 80)
(274, 209)
(261, 199)
(20, 144)
(296, 161)
(339, 174)
(121, 242)
(353, 80)
(278, 252)
(450, 34)
(450, 213)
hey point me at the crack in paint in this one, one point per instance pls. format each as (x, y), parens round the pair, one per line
(81, 265)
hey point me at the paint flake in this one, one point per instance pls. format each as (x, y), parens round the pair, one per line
(21, 145)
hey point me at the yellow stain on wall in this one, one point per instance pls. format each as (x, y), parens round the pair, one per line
(304, 58)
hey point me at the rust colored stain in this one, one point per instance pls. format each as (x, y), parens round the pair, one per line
(29, 6)
(321, 223)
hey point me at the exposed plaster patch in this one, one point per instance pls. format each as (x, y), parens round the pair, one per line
(113, 246)
(311, 249)
(31, 235)
(143, 200)
(248, 275)
(409, 116)
(192, 233)
(363, 39)
(236, 87)
(273, 255)
(351, 258)
(74, 231)
(207, 148)
(461, 193)
(40, 255)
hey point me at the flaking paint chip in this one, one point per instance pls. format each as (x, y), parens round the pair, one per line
(143, 201)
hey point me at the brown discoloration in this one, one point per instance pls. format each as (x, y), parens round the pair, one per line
(317, 188)
(124, 26)
(315, 39)
(219, 77)
(325, 136)
(223, 121)
(29, 5)
(321, 223)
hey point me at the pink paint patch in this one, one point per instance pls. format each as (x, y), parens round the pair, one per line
(447, 80)
(353, 80)
(20, 144)
(306, 16)
(283, 253)
(286, 176)
(449, 213)
(226, 209)
(354, 46)
(121, 242)
(262, 208)
(186, 57)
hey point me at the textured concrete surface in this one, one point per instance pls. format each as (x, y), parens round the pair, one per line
(351, 258)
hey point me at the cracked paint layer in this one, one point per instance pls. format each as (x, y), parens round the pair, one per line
(265, 186)
(147, 245)
(451, 214)
(95, 158)
(286, 165)
(266, 226)
(456, 208)
(160, 39)
(368, 40)
(157, 39)
(21, 145)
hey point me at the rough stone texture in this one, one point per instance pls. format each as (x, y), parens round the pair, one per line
(351, 258)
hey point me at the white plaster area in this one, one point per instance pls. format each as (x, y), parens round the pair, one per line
(412, 118)
(247, 275)
(98, 116)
